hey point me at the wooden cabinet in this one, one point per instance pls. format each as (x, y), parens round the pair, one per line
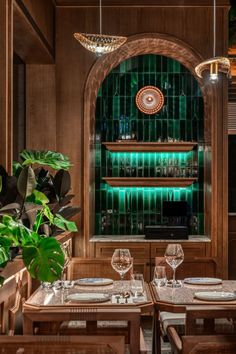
(196, 262)
(139, 251)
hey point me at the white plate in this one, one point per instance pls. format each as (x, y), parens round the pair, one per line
(215, 296)
(88, 297)
(203, 281)
(94, 281)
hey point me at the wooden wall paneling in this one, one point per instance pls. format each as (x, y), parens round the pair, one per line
(42, 13)
(40, 107)
(6, 78)
(73, 64)
(72, 67)
(156, 3)
(29, 44)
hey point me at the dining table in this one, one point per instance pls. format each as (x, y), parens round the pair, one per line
(73, 304)
(176, 299)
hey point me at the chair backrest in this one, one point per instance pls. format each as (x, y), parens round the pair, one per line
(208, 330)
(62, 344)
(93, 267)
(210, 320)
(13, 292)
(209, 344)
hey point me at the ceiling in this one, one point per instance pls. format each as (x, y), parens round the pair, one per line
(162, 3)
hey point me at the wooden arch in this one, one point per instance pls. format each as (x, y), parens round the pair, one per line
(148, 43)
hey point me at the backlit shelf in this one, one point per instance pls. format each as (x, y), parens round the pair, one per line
(150, 181)
(135, 146)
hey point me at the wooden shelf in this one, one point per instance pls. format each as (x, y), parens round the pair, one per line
(135, 146)
(149, 181)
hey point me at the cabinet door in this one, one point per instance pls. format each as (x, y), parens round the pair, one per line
(137, 250)
(191, 249)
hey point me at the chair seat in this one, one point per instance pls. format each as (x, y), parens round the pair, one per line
(176, 320)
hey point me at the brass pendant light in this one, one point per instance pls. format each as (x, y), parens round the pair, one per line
(100, 43)
(214, 64)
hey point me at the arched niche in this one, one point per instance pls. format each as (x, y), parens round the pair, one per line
(160, 44)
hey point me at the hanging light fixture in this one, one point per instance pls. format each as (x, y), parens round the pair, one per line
(100, 43)
(215, 64)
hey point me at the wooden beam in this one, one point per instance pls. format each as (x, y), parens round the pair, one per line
(6, 76)
(29, 43)
(142, 3)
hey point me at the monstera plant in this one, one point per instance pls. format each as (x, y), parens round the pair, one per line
(35, 205)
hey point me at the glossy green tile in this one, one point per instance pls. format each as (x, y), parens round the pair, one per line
(127, 210)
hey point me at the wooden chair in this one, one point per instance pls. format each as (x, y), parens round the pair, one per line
(202, 332)
(12, 294)
(93, 267)
(61, 344)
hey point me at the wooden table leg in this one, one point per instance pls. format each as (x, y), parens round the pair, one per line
(28, 327)
(156, 334)
(135, 336)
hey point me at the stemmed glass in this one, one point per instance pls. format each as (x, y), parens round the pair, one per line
(174, 256)
(121, 262)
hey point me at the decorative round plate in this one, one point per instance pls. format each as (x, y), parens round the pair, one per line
(203, 281)
(93, 281)
(215, 296)
(149, 99)
(88, 297)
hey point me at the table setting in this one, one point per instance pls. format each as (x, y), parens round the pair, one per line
(96, 290)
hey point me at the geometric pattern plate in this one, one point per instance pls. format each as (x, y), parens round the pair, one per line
(149, 99)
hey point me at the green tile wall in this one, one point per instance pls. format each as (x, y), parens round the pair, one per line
(127, 210)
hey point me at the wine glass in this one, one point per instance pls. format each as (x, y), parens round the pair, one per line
(121, 262)
(174, 256)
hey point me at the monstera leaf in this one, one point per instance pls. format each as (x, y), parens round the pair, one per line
(45, 260)
(53, 159)
(4, 256)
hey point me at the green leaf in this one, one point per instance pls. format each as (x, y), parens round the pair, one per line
(38, 222)
(44, 261)
(26, 182)
(38, 197)
(53, 159)
(47, 212)
(5, 242)
(4, 255)
(64, 224)
(17, 168)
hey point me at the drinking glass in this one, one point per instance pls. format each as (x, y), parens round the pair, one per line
(137, 284)
(121, 262)
(174, 256)
(159, 277)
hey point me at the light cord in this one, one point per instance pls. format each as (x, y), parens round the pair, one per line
(214, 28)
(100, 15)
